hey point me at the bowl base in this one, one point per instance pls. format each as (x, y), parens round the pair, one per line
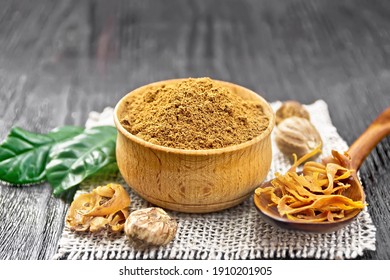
(195, 208)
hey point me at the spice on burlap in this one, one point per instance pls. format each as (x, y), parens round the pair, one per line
(195, 113)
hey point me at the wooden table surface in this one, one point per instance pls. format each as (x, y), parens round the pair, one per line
(60, 60)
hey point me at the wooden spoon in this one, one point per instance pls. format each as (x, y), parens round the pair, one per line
(358, 152)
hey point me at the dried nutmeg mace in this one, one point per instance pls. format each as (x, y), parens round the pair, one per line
(106, 207)
(150, 226)
(289, 109)
(298, 136)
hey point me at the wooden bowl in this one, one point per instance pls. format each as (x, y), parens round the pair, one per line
(194, 181)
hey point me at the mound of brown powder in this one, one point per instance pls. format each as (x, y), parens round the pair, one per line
(193, 114)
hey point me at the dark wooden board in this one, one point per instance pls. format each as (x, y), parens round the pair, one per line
(60, 60)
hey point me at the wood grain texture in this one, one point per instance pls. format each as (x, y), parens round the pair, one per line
(61, 59)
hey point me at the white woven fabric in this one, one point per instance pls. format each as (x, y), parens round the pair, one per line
(235, 233)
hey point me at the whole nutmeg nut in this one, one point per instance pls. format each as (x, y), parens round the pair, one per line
(289, 109)
(150, 226)
(298, 136)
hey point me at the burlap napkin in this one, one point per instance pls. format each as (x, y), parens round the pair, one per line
(236, 233)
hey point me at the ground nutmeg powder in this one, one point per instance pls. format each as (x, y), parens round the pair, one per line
(195, 113)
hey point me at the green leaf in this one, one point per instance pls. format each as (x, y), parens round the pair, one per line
(23, 154)
(109, 171)
(72, 161)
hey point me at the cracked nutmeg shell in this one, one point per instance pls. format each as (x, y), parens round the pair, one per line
(298, 136)
(150, 226)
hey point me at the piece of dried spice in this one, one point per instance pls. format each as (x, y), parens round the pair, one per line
(316, 195)
(150, 227)
(106, 207)
(193, 114)
(298, 136)
(291, 108)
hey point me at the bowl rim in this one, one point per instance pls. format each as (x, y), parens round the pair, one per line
(140, 141)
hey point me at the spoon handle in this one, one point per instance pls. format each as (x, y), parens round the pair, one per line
(377, 130)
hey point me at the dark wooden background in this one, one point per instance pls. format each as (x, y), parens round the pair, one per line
(61, 59)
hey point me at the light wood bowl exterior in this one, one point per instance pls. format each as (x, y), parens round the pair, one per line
(194, 181)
